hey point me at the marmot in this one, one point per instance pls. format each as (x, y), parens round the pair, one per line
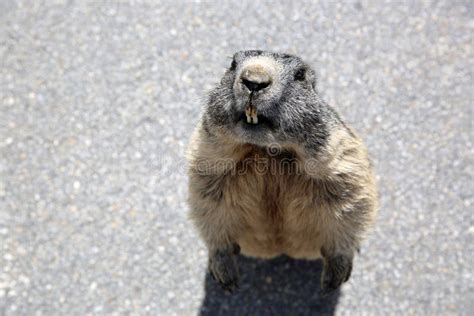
(273, 170)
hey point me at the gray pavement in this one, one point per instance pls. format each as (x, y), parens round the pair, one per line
(98, 100)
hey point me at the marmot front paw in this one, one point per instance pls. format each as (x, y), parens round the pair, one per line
(223, 268)
(337, 270)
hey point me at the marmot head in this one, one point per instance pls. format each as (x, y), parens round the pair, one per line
(265, 98)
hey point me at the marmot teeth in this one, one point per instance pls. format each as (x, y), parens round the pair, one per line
(251, 113)
(255, 119)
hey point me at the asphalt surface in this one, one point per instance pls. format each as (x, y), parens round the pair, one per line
(98, 100)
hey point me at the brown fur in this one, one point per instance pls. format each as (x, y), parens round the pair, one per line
(328, 208)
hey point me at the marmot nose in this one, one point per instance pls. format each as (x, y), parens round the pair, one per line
(255, 86)
(255, 78)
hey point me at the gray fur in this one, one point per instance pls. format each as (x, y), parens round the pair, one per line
(302, 117)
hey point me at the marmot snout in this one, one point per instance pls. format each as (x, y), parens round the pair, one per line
(274, 170)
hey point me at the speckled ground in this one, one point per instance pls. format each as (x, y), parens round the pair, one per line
(98, 100)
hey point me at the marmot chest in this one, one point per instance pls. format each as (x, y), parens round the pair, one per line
(275, 210)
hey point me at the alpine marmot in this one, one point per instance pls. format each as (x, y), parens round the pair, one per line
(274, 170)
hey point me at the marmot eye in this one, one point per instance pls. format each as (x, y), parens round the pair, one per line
(300, 74)
(233, 65)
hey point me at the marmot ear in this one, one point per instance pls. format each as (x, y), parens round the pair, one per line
(313, 81)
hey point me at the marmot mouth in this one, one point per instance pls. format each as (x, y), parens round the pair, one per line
(255, 121)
